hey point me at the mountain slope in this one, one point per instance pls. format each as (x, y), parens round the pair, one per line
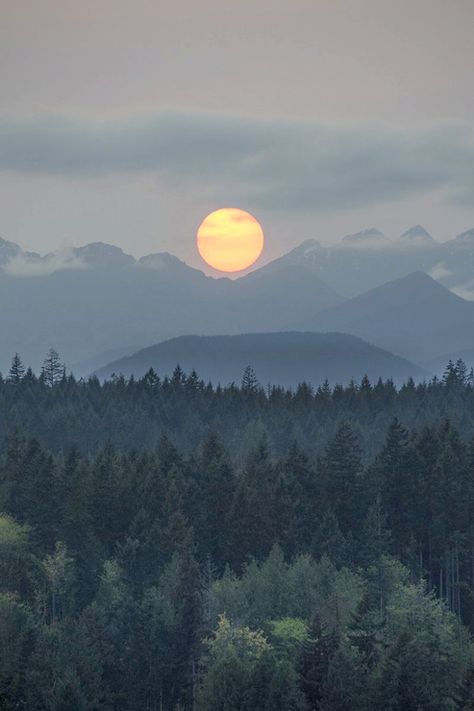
(415, 317)
(282, 358)
(269, 300)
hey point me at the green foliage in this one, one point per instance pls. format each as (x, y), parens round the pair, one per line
(243, 672)
(15, 560)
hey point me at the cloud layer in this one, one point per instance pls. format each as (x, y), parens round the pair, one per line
(269, 164)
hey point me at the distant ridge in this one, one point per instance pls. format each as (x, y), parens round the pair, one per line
(284, 359)
(415, 317)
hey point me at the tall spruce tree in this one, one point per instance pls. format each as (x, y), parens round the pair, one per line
(53, 369)
(342, 469)
(17, 370)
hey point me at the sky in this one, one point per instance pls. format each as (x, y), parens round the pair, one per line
(129, 121)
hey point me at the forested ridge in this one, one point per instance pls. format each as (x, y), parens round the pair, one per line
(165, 544)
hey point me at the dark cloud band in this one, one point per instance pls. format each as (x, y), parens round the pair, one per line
(279, 165)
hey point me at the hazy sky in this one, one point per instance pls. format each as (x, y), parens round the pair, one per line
(128, 121)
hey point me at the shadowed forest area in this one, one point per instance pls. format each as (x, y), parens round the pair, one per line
(169, 545)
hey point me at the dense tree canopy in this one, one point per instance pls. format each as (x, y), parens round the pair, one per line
(167, 545)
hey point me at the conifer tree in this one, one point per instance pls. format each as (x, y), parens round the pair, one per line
(17, 370)
(53, 369)
(313, 665)
(342, 477)
(397, 469)
(249, 383)
(253, 521)
(216, 490)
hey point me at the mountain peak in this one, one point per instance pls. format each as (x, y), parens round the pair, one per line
(160, 260)
(101, 254)
(8, 250)
(164, 261)
(308, 246)
(418, 277)
(370, 237)
(305, 255)
(414, 286)
(417, 235)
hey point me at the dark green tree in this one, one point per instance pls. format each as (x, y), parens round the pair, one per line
(17, 370)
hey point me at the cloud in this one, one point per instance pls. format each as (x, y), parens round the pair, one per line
(465, 291)
(23, 266)
(440, 271)
(266, 164)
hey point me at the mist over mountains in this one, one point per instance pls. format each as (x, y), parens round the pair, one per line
(95, 303)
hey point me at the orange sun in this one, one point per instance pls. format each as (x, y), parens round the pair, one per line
(230, 239)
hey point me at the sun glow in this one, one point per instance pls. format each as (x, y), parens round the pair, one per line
(230, 239)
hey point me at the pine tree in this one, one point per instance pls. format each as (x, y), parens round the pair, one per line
(313, 665)
(249, 383)
(151, 380)
(253, 521)
(188, 594)
(17, 370)
(298, 501)
(76, 520)
(329, 541)
(58, 569)
(375, 539)
(342, 477)
(397, 468)
(461, 371)
(214, 496)
(53, 369)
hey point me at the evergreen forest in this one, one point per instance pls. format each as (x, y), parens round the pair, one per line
(171, 545)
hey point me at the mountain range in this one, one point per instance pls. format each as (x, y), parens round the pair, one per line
(95, 303)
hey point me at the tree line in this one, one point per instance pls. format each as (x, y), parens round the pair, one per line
(62, 411)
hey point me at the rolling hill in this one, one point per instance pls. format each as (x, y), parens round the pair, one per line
(281, 358)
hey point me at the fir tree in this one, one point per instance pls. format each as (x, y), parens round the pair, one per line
(17, 370)
(53, 369)
(249, 383)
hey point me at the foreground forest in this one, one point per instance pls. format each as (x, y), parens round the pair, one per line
(168, 545)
